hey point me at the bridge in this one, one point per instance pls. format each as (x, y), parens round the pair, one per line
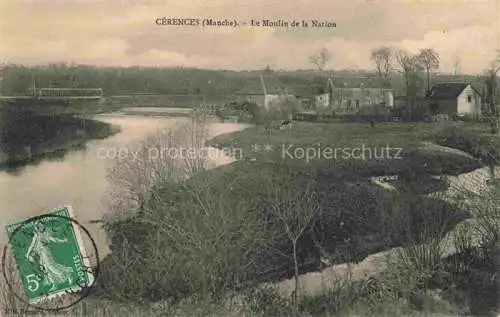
(59, 94)
(209, 109)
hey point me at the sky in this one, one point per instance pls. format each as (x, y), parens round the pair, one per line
(123, 32)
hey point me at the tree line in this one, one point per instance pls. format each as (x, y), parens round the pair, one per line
(389, 62)
(18, 79)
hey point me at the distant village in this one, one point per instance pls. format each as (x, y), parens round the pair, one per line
(373, 97)
(351, 96)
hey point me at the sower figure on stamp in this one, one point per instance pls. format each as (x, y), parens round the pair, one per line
(54, 272)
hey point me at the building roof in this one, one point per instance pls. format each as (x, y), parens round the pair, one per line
(403, 102)
(264, 85)
(447, 90)
(307, 90)
(356, 82)
(405, 98)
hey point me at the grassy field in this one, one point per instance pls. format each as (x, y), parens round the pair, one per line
(409, 149)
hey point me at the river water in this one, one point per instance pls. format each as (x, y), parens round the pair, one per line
(80, 177)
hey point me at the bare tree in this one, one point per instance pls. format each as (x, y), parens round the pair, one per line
(169, 154)
(383, 58)
(320, 59)
(491, 84)
(429, 59)
(409, 67)
(296, 210)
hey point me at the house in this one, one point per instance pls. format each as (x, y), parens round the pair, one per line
(349, 95)
(322, 100)
(263, 91)
(311, 96)
(455, 99)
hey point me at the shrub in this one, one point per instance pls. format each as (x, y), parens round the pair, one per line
(187, 242)
(467, 118)
(482, 146)
(222, 113)
(474, 266)
(256, 112)
(267, 301)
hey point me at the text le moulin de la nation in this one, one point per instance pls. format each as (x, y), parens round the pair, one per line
(213, 22)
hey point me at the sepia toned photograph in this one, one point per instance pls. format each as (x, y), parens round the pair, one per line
(237, 158)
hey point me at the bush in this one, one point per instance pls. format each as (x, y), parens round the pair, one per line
(186, 243)
(256, 112)
(474, 267)
(395, 293)
(267, 301)
(307, 116)
(339, 300)
(222, 113)
(467, 118)
(485, 147)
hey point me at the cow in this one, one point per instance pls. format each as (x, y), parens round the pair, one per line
(286, 124)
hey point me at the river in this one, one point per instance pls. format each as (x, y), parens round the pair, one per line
(80, 177)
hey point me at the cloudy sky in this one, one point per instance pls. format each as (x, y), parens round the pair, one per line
(123, 32)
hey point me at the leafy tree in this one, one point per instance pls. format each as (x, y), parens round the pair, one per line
(285, 109)
(256, 112)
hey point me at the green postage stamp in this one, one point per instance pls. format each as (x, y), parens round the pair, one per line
(50, 255)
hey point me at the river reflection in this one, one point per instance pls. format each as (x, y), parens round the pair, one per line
(79, 177)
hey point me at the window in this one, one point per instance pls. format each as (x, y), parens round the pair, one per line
(469, 98)
(357, 104)
(349, 102)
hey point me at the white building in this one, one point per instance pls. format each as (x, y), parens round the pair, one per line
(263, 91)
(455, 99)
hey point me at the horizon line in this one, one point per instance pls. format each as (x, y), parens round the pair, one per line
(345, 70)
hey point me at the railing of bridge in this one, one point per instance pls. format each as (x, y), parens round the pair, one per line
(69, 92)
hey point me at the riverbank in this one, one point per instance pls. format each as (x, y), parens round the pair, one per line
(86, 130)
(157, 111)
